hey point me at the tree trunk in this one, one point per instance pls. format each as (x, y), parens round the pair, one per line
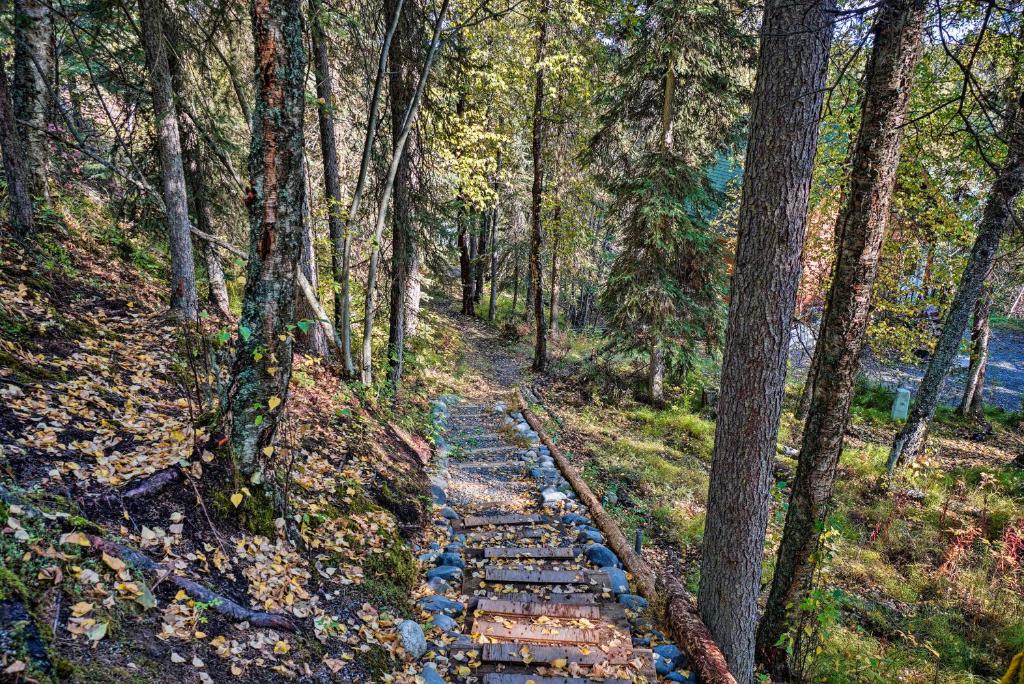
(34, 69)
(341, 240)
(972, 403)
(492, 306)
(515, 285)
(481, 255)
(414, 292)
(400, 89)
(656, 374)
(795, 40)
(184, 299)
(313, 341)
(473, 244)
(466, 263)
(997, 216)
(1017, 308)
(528, 302)
(366, 366)
(540, 353)
(553, 308)
(263, 362)
(861, 230)
(12, 146)
(197, 179)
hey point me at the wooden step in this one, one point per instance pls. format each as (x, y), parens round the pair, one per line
(520, 533)
(535, 608)
(524, 632)
(503, 678)
(507, 519)
(516, 653)
(489, 451)
(528, 576)
(565, 552)
(579, 598)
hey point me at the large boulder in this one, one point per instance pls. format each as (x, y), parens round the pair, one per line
(412, 638)
(440, 604)
(601, 556)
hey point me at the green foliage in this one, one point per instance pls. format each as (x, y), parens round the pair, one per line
(666, 286)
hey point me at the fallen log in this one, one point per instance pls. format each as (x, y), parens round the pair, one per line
(217, 602)
(686, 626)
(146, 487)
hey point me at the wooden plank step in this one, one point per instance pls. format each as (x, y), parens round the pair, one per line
(565, 552)
(516, 653)
(507, 519)
(580, 598)
(535, 608)
(646, 655)
(527, 576)
(503, 678)
(519, 632)
(490, 451)
(520, 533)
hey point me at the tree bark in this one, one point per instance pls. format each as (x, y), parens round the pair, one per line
(515, 285)
(466, 264)
(12, 146)
(263, 362)
(553, 308)
(492, 305)
(366, 368)
(656, 374)
(972, 403)
(184, 299)
(197, 179)
(341, 240)
(414, 291)
(34, 69)
(540, 353)
(995, 220)
(313, 341)
(481, 255)
(861, 230)
(793, 62)
(473, 231)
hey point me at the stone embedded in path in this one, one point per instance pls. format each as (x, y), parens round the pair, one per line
(617, 580)
(633, 602)
(438, 494)
(431, 676)
(575, 519)
(445, 572)
(445, 623)
(412, 638)
(672, 653)
(449, 513)
(450, 559)
(438, 585)
(589, 534)
(441, 604)
(601, 556)
(550, 495)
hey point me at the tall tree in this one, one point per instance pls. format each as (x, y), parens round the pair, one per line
(795, 39)
(997, 217)
(34, 71)
(401, 85)
(184, 298)
(263, 362)
(860, 228)
(341, 240)
(311, 339)
(409, 119)
(12, 147)
(540, 352)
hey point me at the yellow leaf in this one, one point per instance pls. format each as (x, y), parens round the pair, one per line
(267, 451)
(115, 564)
(281, 647)
(81, 608)
(273, 403)
(236, 499)
(559, 663)
(74, 538)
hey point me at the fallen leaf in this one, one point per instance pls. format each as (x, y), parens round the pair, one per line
(236, 499)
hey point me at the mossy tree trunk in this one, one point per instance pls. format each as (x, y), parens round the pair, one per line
(540, 351)
(972, 404)
(34, 78)
(15, 171)
(263, 363)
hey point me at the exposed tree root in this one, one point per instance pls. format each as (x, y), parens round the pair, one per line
(146, 487)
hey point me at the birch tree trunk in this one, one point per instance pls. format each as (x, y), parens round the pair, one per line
(996, 218)
(184, 299)
(972, 403)
(12, 146)
(263, 362)
(465, 265)
(656, 374)
(860, 229)
(492, 306)
(34, 69)
(540, 352)
(313, 341)
(786, 109)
